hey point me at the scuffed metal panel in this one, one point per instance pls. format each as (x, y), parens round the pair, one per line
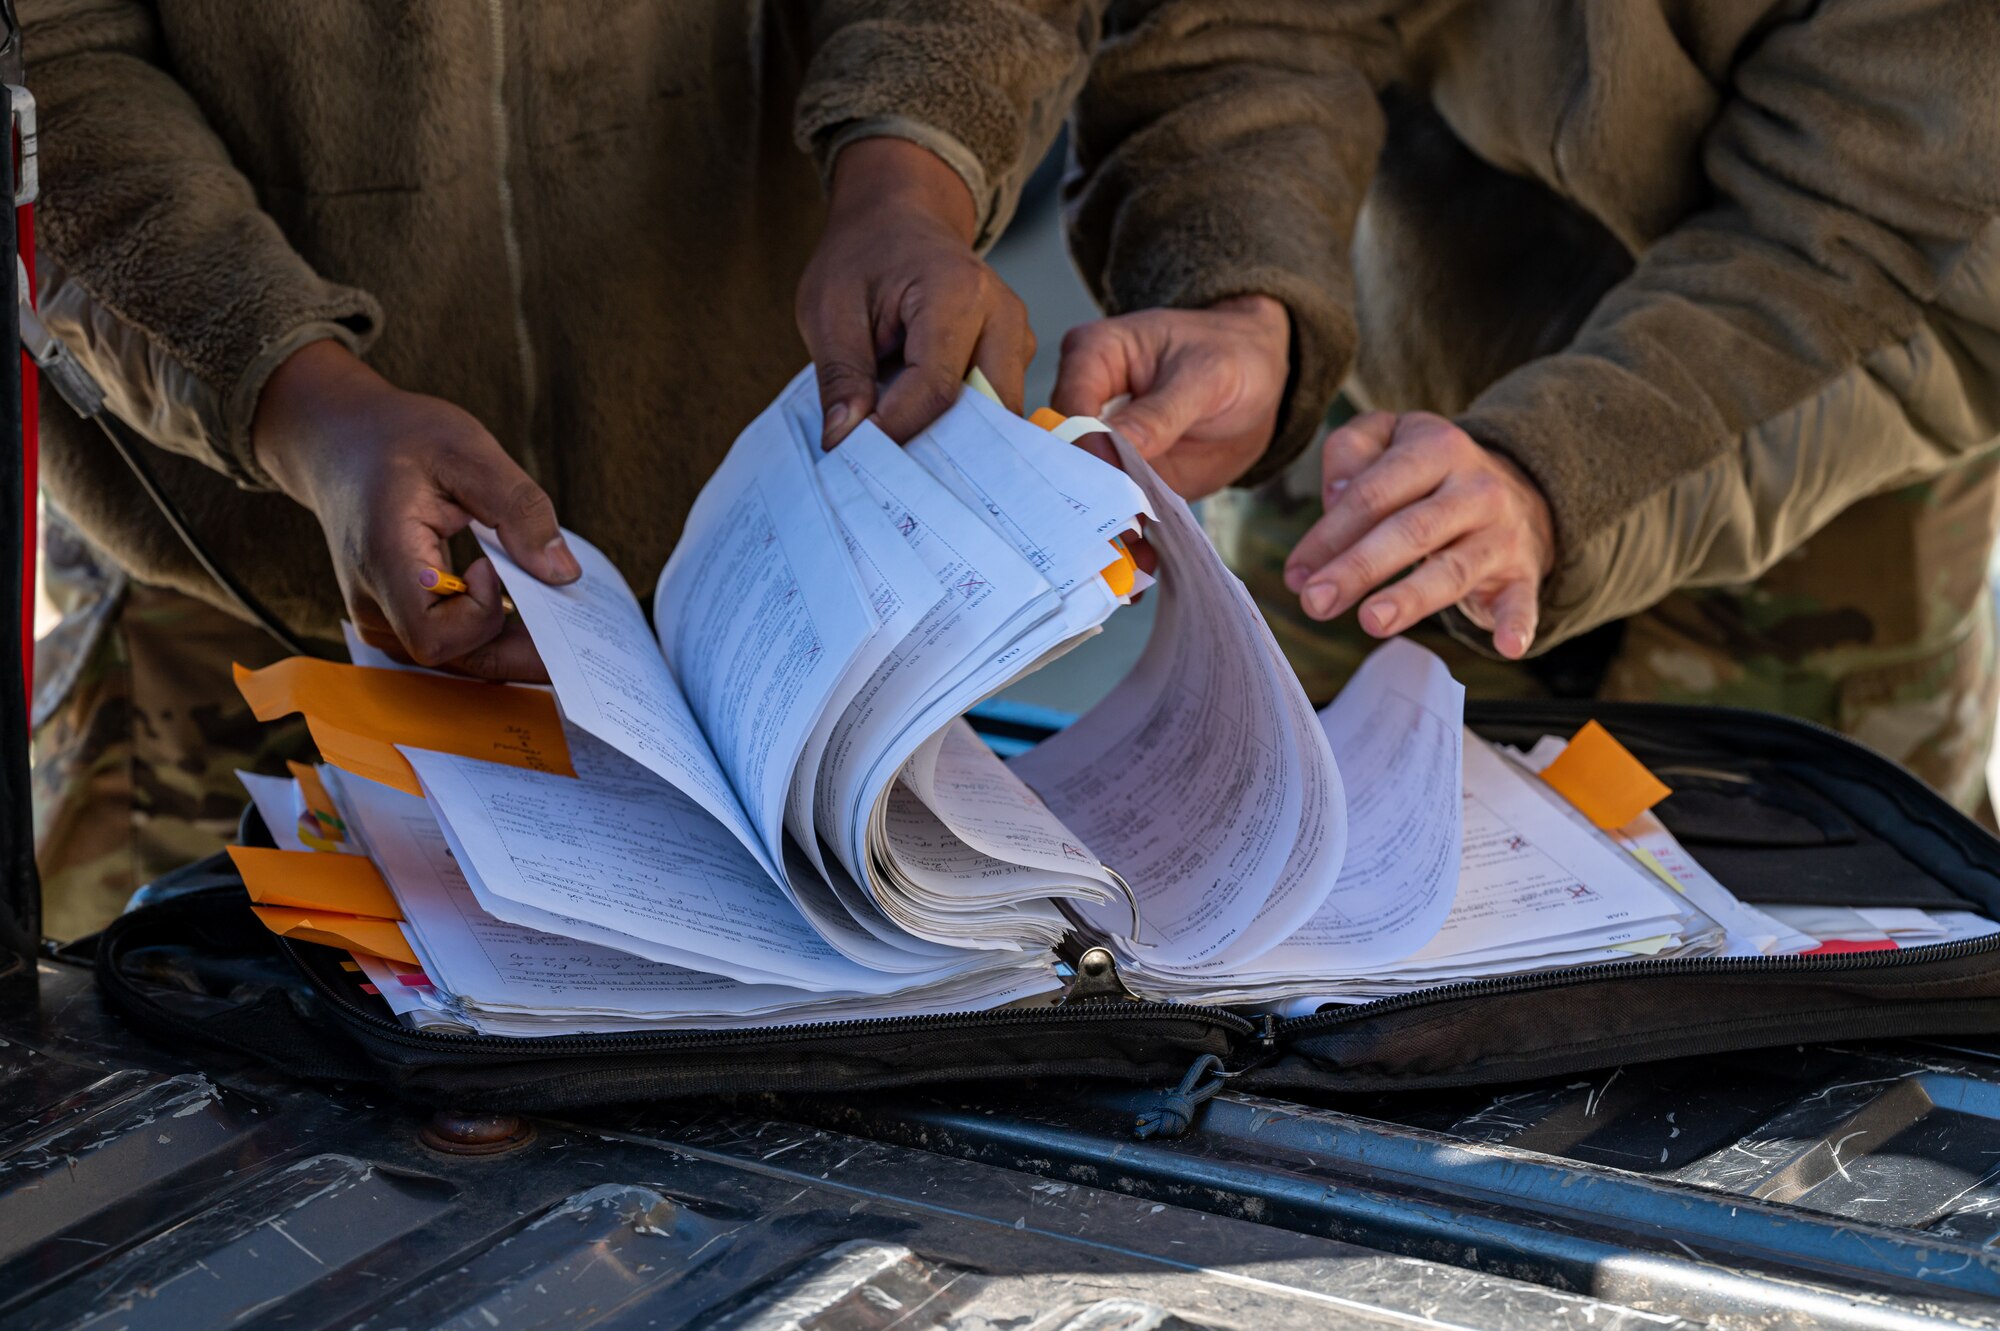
(148, 1187)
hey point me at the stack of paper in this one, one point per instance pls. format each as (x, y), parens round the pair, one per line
(764, 807)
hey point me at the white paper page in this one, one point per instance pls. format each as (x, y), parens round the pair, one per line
(1102, 496)
(617, 849)
(1189, 779)
(1750, 932)
(976, 450)
(988, 807)
(759, 613)
(1527, 873)
(1959, 925)
(992, 597)
(1396, 732)
(901, 592)
(278, 803)
(610, 679)
(483, 960)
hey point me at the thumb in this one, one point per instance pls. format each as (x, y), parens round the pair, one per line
(841, 340)
(1155, 421)
(494, 490)
(1094, 369)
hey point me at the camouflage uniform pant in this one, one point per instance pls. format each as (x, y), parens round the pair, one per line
(138, 734)
(1880, 626)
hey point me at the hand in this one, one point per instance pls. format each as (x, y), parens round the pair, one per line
(1205, 385)
(895, 273)
(1416, 489)
(393, 476)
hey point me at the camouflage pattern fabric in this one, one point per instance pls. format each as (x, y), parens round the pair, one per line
(1881, 626)
(139, 732)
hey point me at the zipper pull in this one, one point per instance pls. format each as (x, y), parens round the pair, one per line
(1174, 1112)
(1096, 978)
(1267, 1031)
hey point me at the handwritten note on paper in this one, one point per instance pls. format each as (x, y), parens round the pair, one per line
(357, 716)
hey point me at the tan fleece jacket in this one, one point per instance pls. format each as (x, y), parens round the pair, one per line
(583, 223)
(1709, 270)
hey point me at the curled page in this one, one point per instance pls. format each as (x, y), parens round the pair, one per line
(609, 677)
(760, 612)
(1191, 778)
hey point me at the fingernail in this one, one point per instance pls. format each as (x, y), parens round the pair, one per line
(1319, 602)
(1375, 616)
(1333, 489)
(1513, 643)
(562, 563)
(1295, 578)
(837, 417)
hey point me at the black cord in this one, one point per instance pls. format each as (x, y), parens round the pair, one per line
(150, 483)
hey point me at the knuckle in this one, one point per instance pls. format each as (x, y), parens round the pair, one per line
(529, 503)
(839, 377)
(1454, 568)
(1370, 493)
(1420, 525)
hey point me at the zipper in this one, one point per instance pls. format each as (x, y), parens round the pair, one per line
(1888, 778)
(1556, 979)
(639, 1042)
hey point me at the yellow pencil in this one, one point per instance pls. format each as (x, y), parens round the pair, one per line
(442, 583)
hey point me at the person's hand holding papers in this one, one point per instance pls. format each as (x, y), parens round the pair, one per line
(1416, 489)
(896, 279)
(393, 477)
(1204, 385)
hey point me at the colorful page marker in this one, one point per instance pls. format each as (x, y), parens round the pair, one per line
(377, 938)
(302, 880)
(357, 717)
(1604, 781)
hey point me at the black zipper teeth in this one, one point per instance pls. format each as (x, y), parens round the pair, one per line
(1551, 979)
(644, 1041)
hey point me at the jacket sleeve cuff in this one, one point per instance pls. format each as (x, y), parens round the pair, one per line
(200, 406)
(954, 154)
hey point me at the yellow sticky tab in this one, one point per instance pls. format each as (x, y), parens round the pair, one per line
(357, 716)
(350, 967)
(1646, 947)
(377, 938)
(1604, 781)
(1120, 574)
(348, 884)
(977, 381)
(1047, 417)
(1652, 861)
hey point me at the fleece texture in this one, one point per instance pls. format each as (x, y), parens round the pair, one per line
(582, 223)
(1710, 271)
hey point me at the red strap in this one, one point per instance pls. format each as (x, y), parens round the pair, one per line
(24, 221)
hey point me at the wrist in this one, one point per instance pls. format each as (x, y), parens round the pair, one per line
(901, 178)
(302, 390)
(1269, 315)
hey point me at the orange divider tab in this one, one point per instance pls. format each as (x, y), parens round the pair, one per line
(1602, 779)
(358, 715)
(349, 884)
(318, 803)
(1047, 417)
(351, 933)
(1121, 574)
